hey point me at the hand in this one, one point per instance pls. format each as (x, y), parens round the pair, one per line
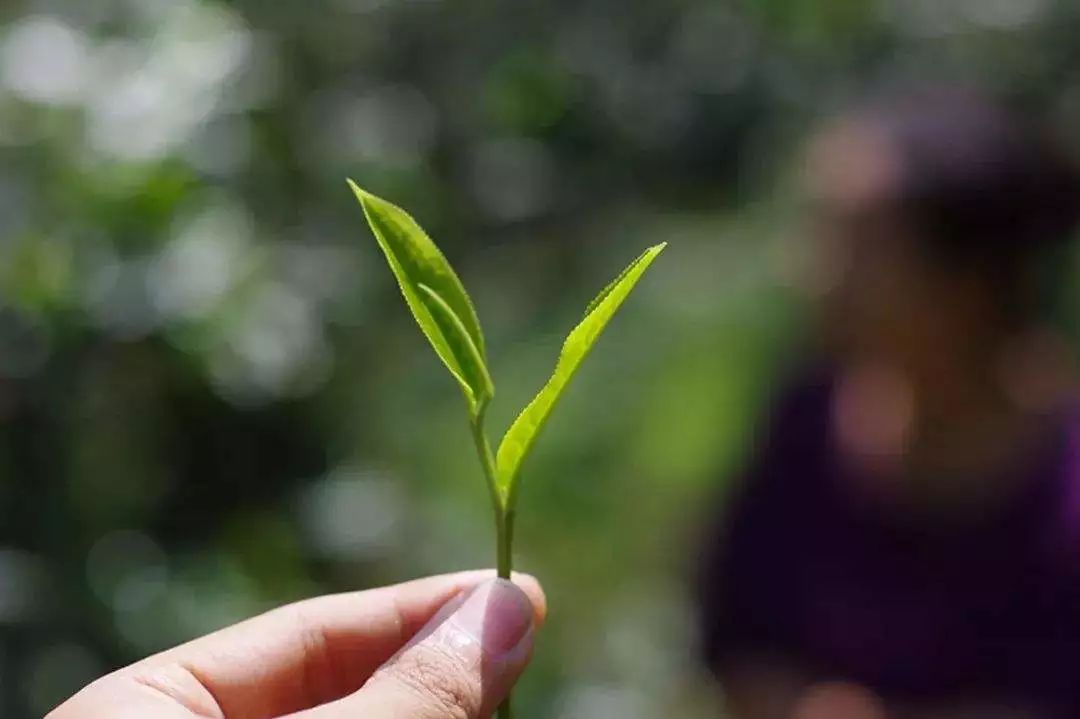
(436, 648)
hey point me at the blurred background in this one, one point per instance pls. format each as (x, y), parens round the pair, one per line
(212, 399)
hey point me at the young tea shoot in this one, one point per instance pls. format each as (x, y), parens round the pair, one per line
(446, 316)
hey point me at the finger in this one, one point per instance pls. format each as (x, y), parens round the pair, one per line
(294, 657)
(460, 666)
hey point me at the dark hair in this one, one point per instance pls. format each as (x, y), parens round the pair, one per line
(985, 190)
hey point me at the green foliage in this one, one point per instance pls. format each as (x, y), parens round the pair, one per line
(449, 321)
(445, 314)
(477, 380)
(519, 439)
(435, 295)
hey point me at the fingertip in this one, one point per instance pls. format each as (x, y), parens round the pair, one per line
(463, 663)
(468, 580)
(530, 585)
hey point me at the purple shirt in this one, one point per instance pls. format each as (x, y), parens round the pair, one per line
(808, 568)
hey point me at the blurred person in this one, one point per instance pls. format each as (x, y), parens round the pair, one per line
(906, 542)
(447, 647)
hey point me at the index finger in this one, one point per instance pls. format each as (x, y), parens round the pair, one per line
(314, 651)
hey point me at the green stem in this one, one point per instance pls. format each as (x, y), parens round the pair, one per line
(505, 539)
(503, 529)
(504, 519)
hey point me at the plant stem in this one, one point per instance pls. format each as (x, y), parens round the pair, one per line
(505, 538)
(504, 516)
(504, 519)
(487, 463)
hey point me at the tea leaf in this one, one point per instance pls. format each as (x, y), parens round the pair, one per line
(611, 285)
(415, 259)
(519, 439)
(472, 366)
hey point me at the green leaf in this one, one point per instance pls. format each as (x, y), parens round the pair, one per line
(415, 260)
(519, 439)
(611, 285)
(464, 350)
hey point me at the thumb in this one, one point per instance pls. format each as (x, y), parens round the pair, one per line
(461, 665)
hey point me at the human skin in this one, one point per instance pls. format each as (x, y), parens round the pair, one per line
(444, 647)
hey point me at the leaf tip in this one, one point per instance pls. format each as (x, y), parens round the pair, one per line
(361, 194)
